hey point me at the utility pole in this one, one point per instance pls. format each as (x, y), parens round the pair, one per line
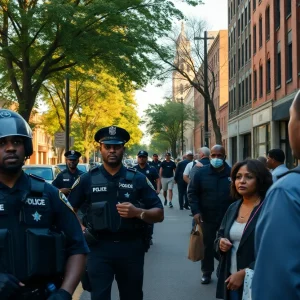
(181, 127)
(67, 114)
(205, 66)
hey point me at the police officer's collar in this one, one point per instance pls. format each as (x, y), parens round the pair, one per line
(21, 184)
(120, 173)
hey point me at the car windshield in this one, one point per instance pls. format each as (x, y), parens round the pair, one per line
(82, 168)
(45, 173)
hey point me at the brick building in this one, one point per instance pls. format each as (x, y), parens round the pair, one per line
(264, 75)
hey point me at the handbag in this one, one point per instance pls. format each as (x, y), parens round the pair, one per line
(247, 284)
(196, 246)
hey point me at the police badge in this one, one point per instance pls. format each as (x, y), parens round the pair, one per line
(112, 130)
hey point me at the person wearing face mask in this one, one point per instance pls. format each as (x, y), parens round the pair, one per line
(209, 196)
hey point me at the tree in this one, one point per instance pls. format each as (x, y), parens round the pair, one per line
(189, 68)
(95, 103)
(158, 144)
(40, 38)
(166, 120)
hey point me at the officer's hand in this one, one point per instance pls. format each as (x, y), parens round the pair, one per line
(65, 191)
(60, 295)
(9, 284)
(127, 210)
(198, 219)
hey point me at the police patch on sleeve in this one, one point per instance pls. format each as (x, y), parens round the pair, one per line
(150, 184)
(76, 182)
(64, 199)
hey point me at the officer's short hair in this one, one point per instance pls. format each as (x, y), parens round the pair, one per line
(277, 154)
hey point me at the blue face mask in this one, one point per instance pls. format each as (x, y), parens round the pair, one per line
(217, 162)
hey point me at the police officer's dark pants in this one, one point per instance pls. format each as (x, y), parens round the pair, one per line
(123, 261)
(182, 195)
(209, 235)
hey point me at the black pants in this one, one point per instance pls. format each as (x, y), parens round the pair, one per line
(182, 195)
(209, 235)
(123, 261)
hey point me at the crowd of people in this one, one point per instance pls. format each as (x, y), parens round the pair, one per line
(100, 224)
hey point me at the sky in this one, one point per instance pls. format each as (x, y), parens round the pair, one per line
(214, 12)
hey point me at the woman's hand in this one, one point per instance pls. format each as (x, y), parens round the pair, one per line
(224, 245)
(235, 280)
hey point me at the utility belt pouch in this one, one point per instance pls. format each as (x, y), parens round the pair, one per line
(100, 216)
(45, 252)
(6, 252)
(90, 237)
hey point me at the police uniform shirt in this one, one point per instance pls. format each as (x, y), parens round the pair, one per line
(156, 165)
(54, 201)
(65, 179)
(81, 188)
(167, 168)
(150, 172)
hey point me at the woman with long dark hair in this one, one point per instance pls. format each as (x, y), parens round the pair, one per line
(235, 238)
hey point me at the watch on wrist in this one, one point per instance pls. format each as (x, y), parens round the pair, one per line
(142, 215)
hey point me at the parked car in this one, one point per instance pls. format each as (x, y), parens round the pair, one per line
(82, 167)
(47, 172)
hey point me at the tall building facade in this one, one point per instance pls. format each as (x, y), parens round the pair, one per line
(217, 58)
(240, 77)
(276, 72)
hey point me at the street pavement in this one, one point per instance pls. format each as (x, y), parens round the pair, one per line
(169, 275)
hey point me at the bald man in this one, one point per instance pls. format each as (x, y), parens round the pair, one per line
(209, 195)
(277, 265)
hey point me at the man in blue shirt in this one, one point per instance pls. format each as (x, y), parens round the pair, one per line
(277, 243)
(275, 162)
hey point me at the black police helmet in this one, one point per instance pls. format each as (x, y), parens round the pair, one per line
(112, 135)
(11, 123)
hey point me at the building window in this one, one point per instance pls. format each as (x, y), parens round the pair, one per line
(239, 27)
(239, 58)
(247, 146)
(243, 57)
(255, 85)
(243, 93)
(288, 8)
(260, 32)
(254, 5)
(262, 140)
(268, 23)
(261, 81)
(278, 66)
(240, 94)
(254, 39)
(246, 91)
(233, 150)
(249, 47)
(277, 14)
(289, 58)
(250, 86)
(242, 22)
(268, 73)
(234, 98)
(246, 50)
(246, 16)
(249, 11)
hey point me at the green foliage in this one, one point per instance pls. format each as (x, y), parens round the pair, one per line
(40, 38)
(166, 120)
(95, 102)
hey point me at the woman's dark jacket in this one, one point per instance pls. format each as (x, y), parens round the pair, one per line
(245, 253)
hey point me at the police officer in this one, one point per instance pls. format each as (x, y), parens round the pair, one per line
(67, 177)
(38, 228)
(149, 171)
(121, 202)
(155, 162)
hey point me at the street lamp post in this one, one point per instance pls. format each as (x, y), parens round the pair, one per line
(67, 142)
(181, 126)
(205, 65)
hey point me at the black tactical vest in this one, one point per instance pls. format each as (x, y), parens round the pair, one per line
(30, 248)
(102, 214)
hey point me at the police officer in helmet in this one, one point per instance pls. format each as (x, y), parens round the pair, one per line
(67, 177)
(121, 204)
(40, 235)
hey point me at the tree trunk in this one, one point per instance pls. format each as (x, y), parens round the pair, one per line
(216, 127)
(173, 149)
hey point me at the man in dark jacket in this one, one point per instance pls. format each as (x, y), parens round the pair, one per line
(209, 195)
(181, 184)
